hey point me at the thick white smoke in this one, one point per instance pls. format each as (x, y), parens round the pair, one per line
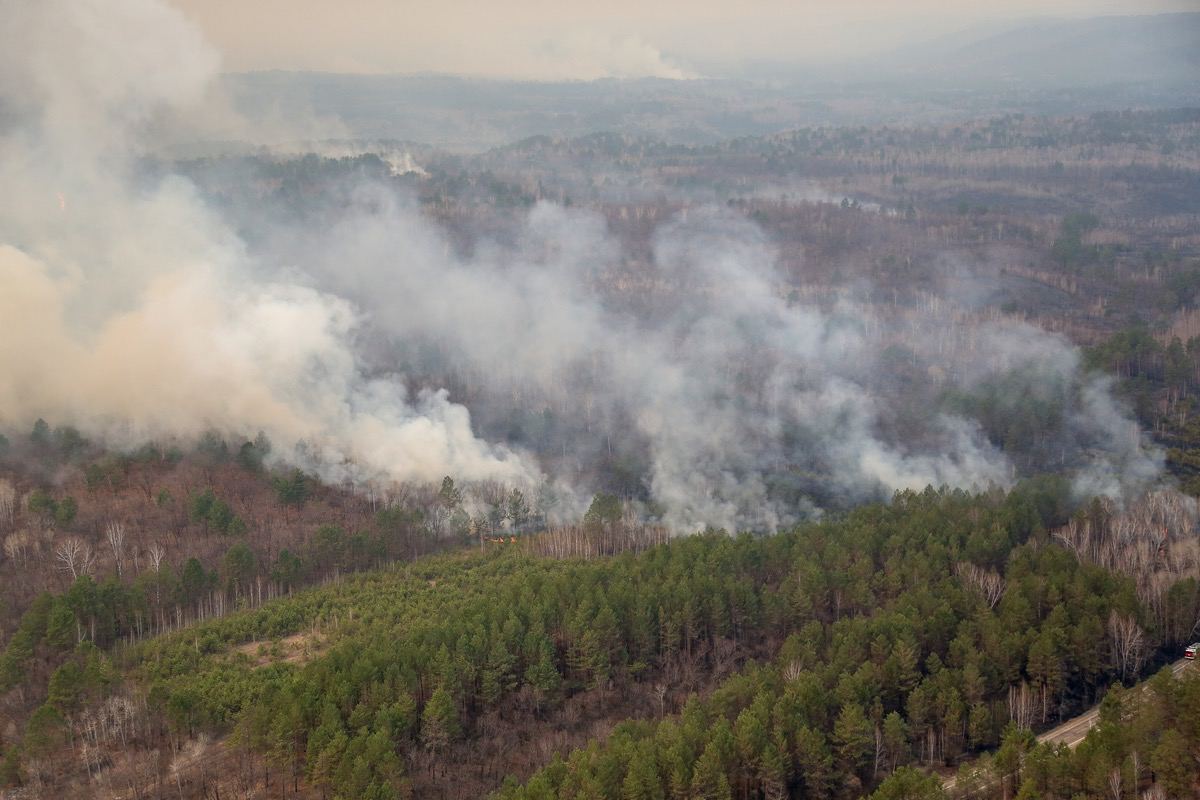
(133, 311)
(130, 310)
(733, 391)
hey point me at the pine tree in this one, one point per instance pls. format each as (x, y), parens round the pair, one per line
(642, 780)
(44, 733)
(773, 771)
(324, 763)
(517, 510)
(439, 722)
(895, 739)
(910, 784)
(853, 739)
(61, 627)
(498, 677)
(814, 762)
(450, 496)
(542, 675)
(1170, 762)
(709, 781)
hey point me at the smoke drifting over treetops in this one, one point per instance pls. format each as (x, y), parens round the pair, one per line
(743, 406)
(133, 310)
(130, 309)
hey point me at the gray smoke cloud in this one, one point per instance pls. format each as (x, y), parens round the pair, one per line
(745, 404)
(133, 310)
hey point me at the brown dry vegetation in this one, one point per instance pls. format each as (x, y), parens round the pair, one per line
(131, 499)
(298, 648)
(967, 223)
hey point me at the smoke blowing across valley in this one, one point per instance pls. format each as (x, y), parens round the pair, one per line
(370, 346)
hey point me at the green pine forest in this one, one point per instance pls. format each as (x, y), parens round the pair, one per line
(842, 659)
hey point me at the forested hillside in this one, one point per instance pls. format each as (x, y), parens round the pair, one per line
(815, 662)
(225, 613)
(188, 529)
(1144, 744)
(928, 669)
(641, 438)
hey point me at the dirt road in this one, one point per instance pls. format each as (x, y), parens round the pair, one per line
(1074, 731)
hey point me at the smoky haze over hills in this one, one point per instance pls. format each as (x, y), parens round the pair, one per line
(1041, 66)
(1162, 49)
(317, 301)
(802, 429)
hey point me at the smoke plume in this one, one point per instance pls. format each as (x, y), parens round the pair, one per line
(134, 310)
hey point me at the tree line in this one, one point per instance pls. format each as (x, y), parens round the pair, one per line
(902, 635)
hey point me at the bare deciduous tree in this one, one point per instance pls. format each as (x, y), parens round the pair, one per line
(1021, 705)
(75, 555)
(8, 503)
(1153, 540)
(17, 545)
(990, 585)
(156, 552)
(115, 533)
(1127, 643)
(660, 693)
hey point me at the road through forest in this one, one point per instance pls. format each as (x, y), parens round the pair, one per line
(1075, 730)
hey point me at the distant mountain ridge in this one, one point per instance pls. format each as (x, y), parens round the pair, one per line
(1043, 66)
(1058, 53)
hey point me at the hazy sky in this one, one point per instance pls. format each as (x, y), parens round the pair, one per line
(555, 39)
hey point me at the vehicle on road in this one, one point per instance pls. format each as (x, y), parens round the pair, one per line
(1190, 652)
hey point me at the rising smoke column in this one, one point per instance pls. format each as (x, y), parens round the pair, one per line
(742, 401)
(132, 311)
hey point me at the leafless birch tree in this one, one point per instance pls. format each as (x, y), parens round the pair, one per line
(8, 503)
(990, 585)
(115, 533)
(75, 555)
(156, 552)
(17, 545)
(1127, 643)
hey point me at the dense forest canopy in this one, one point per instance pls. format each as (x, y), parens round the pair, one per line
(680, 437)
(816, 662)
(157, 625)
